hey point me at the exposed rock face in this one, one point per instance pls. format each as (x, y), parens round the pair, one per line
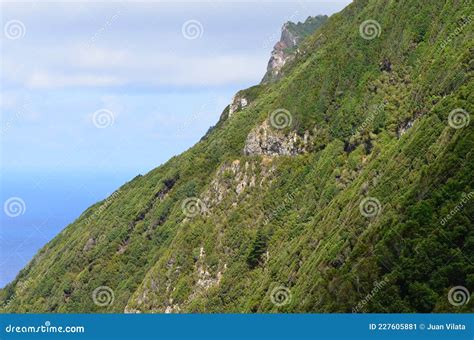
(280, 54)
(172, 308)
(271, 142)
(89, 244)
(285, 49)
(408, 124)
(205, 279)
(235, 178)
(238, 103)
(403, 128)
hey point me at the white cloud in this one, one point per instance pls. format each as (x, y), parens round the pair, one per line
(90, 56)
(120, 44)
(102, 67)
(46, 79)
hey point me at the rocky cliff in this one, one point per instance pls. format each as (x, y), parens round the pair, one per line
(285, 49)
(345, 186)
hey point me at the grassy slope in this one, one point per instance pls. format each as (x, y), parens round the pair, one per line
(318, 243)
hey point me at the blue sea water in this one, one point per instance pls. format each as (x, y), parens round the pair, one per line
(36, 206)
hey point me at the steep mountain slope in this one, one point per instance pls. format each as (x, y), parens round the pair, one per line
(286, 48)
(345, 186)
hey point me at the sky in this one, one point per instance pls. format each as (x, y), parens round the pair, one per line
(95, 93)
(158, 74)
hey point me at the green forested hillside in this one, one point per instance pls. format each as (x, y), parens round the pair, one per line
(346, 186)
